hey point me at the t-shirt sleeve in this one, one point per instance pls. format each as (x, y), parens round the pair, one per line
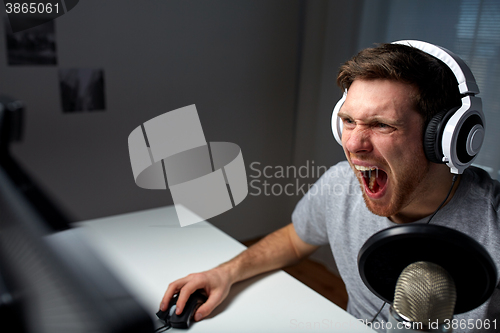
(308, 217)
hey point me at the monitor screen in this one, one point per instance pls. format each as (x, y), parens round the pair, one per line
(50, 279)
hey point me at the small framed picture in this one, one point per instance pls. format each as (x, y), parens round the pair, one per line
(32, 47)
(82, 89)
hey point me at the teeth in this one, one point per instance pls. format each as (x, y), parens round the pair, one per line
(363, 168)
(368, 173)
(372, 181)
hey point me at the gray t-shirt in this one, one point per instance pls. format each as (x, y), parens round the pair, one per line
(334, 212)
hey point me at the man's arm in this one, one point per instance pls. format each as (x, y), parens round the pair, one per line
(277, 250)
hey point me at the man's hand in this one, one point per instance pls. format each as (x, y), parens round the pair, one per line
(215, 282)
(277, 250)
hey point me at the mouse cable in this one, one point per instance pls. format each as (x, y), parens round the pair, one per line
(435, 212)
(165, 327)
(455, 177)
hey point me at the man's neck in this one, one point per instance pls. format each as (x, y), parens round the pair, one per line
(429, 198)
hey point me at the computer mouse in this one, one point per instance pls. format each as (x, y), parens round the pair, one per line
(185, 319)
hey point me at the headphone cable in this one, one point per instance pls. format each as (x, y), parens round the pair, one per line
(164, 328)
(455, 177)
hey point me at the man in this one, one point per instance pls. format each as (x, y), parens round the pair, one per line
(393, 92)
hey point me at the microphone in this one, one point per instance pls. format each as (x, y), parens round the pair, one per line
(418, 268)
(424, 299)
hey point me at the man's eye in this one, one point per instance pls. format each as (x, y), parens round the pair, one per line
(384, 127)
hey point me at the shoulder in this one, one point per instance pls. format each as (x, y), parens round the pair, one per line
(477, 214)
(481, 186)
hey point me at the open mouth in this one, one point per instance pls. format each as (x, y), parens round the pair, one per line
(375, 179)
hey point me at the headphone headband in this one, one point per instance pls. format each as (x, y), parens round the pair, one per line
(466, 81)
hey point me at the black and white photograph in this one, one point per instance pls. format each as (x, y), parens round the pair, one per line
(82, 89)
(32, 47)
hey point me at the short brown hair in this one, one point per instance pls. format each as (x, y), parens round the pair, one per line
(436, 84)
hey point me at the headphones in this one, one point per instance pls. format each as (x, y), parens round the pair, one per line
(452, 136)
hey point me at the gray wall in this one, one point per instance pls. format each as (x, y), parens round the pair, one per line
(261, 73)
(236, 60)
(330, 38)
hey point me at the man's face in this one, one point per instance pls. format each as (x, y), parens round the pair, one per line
(382, 132)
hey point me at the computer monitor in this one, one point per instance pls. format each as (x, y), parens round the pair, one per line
(51, 280)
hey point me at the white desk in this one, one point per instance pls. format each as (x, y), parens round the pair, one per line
(147, 250)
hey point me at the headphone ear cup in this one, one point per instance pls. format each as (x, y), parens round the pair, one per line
(336, 122)
(469, 138)
(432, 138)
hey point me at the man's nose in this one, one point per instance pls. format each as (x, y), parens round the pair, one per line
(358, 140)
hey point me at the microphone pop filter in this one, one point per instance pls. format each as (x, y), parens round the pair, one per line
(385, 254)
